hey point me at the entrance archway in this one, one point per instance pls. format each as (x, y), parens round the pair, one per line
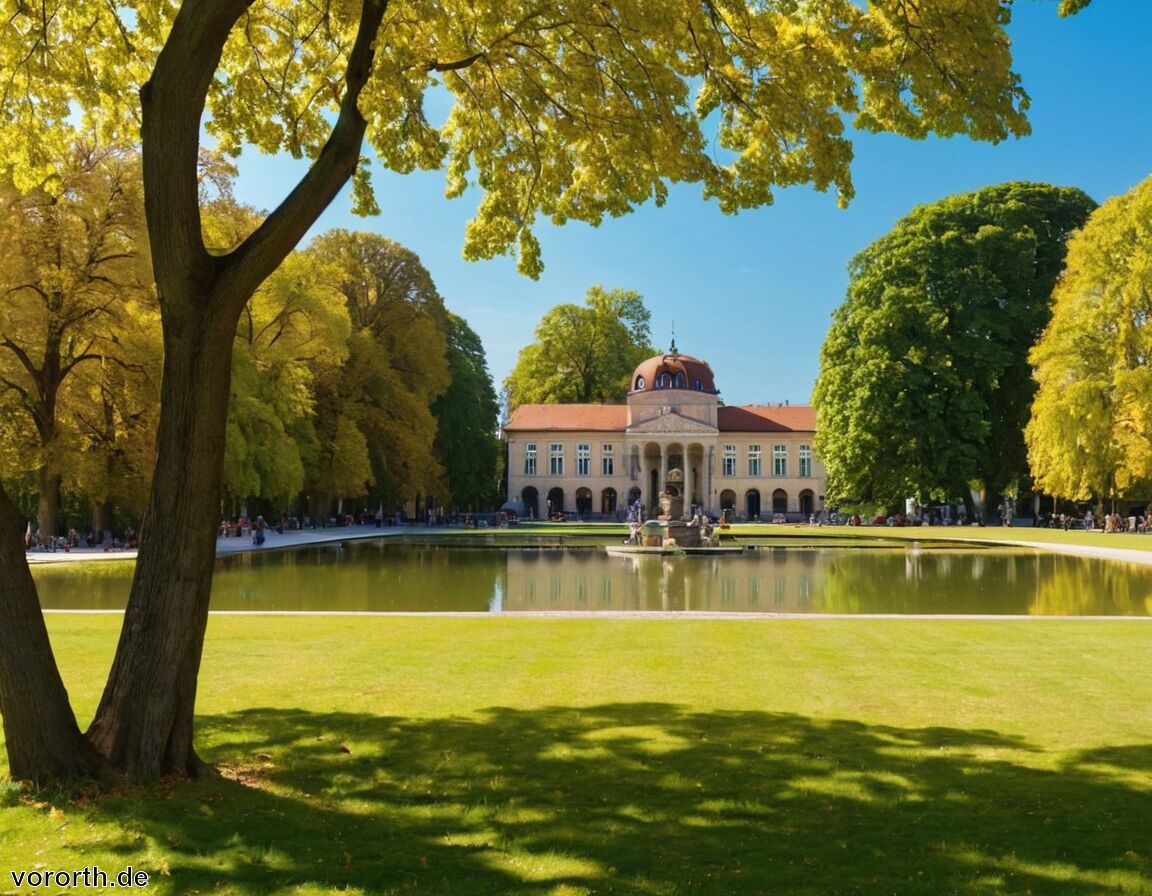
(728, 499)
(752, 504)
(807, 505)
(583, 501)
(555, 501)
(530, 498)
(608, 501)
(779, 501)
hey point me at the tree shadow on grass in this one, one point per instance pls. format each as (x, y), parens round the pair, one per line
(643, 799)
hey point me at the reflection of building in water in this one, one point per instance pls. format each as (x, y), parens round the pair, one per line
(796, 580)
(597, 460)
(768, 581)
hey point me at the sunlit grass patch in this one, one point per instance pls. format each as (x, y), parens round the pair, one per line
(790, 757)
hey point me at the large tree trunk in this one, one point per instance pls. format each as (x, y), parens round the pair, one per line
(49, 482)
(144, 721)
(42, 738)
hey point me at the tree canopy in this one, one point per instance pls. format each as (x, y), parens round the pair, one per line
(1090, 435)
(396, 367)
(583, 352)
(566, 111)
(924, 382)
(467, 418)
(571, 112)
(77, 301)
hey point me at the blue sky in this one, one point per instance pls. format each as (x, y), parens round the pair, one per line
(753, 294)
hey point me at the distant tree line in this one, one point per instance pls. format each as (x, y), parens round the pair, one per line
(350, 379)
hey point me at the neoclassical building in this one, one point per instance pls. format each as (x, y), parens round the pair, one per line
(596, 460)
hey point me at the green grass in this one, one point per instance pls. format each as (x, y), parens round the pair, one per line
(632, 756)
(801, 532)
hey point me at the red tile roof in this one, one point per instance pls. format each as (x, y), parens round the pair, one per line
(767, 418)
(595, 417)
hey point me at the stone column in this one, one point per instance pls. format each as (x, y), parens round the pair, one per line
(640, 459)
(687, 460)
(663, 467)
(706, 462)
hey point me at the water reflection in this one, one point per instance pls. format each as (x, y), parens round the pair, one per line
(397, 577)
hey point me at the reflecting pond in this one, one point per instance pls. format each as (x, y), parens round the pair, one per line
(395, 576)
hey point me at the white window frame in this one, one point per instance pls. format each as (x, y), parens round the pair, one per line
(806, 461)
(529, 458)
(607, 460)
(729, 467)
(779, 460)
(583, 459)
(556, 459)
(755, 460)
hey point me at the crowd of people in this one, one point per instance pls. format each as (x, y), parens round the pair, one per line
(34, 540)
(1109, 522)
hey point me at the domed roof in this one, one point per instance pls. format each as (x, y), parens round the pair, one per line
(673, 371)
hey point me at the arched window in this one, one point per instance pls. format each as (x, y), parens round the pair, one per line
(681, 382)
(664, 380)
(639, 383)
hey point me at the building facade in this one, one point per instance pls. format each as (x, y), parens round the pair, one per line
(597, 460)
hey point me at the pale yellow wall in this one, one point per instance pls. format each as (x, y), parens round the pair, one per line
(740, 483)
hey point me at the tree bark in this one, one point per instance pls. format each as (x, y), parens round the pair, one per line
(49, 482)
(41, 736)
(143, 724)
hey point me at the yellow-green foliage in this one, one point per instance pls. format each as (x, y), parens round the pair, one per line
(567, 112)
(1091, 429)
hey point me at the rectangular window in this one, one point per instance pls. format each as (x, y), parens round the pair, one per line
(607, 460)
(530, 459)
(583, 459)
(779, 460)
(729, 460)
(754, 460)
(556, 459)
(805, 460)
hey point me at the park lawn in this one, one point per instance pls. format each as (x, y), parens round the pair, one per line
(634, 756)
(801, 533)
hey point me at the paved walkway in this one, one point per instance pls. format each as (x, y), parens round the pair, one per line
(274, 541)
(1082, 550)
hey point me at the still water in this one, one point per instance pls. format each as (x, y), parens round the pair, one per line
(390, 576)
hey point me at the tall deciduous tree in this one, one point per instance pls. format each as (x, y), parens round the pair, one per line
(924, 382)
(1090, 435)
(467, 417)
(74, 263)
(571, 112)
(396, 366)
(583, 353)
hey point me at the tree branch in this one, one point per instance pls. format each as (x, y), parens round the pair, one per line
(254, 259)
